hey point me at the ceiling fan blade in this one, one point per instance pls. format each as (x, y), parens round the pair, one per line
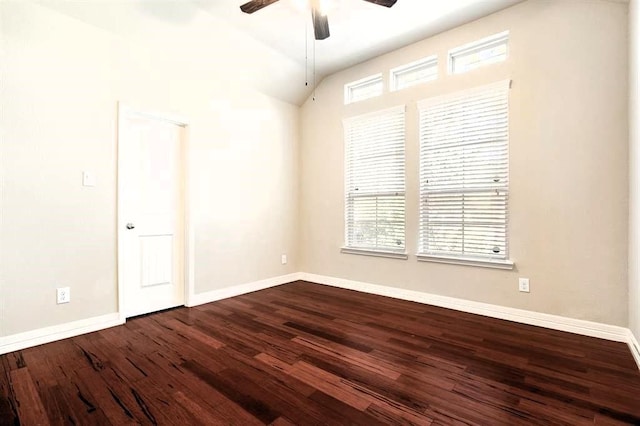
(387, 3)
(255, 5)
(320, 24)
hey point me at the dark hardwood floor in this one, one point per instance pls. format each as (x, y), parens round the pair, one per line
(308, 354)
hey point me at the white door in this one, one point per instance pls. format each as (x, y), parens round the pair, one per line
(150, 214)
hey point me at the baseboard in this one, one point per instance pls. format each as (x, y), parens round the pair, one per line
(40, 336)
(225, 293)
(16, 342)
(555, 322)
(44, 335)
(634, 346)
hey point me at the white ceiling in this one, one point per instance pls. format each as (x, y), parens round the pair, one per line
(359, 30)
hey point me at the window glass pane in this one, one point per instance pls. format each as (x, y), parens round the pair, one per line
(363, 89)
(484, 52)
(377, 222)
(415, 73)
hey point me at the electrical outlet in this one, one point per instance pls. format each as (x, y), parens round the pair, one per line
(523, 285)
(63, 295)
(284, 259)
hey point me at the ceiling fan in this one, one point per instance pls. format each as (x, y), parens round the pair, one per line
(320, 22)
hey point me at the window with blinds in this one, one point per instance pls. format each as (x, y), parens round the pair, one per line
(464, 174)
(375, 181)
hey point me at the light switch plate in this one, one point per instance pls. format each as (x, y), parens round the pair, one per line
(88, 179)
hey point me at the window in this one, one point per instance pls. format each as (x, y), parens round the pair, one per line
(464, 176)
(482, 52)
(414, 73)
(366, 88)
(375, 183)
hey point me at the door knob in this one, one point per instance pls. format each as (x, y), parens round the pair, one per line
(130, 225)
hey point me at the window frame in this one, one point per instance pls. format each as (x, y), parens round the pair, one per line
(400, 253)
(447, 257)
(476, 46)
(426, 62)
(363, 82)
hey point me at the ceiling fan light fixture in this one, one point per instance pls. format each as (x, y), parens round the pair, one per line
(300, 5)
(326, 6)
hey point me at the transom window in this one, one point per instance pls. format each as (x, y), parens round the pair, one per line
(479, 53)
(414, 73)
(365, 88)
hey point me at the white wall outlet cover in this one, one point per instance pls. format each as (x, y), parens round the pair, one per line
(88, 179)
(63, 295)
(523, 285)
(284, 259)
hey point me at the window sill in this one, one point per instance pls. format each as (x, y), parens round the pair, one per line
(376, 253)
(483, 263)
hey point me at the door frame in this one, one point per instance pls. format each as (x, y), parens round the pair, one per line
(125, 111)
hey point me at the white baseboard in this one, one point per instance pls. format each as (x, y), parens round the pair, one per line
(225, 293)
(555, 322)
(634, 346)
(16, 342)
(587, 328)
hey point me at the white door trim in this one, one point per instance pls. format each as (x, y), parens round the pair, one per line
(125, 110)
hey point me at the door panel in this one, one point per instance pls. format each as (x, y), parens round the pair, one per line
(156, 260)
(150, 214)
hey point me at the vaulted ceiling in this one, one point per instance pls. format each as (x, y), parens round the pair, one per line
(359, 30)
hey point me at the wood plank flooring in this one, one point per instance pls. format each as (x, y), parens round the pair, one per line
(306, 354)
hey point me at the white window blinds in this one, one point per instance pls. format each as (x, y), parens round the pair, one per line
(375, 181)
(464, 174)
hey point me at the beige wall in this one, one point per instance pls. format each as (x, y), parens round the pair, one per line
(245, 189)
(568, 163)
(61, 81)
(634, 168)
